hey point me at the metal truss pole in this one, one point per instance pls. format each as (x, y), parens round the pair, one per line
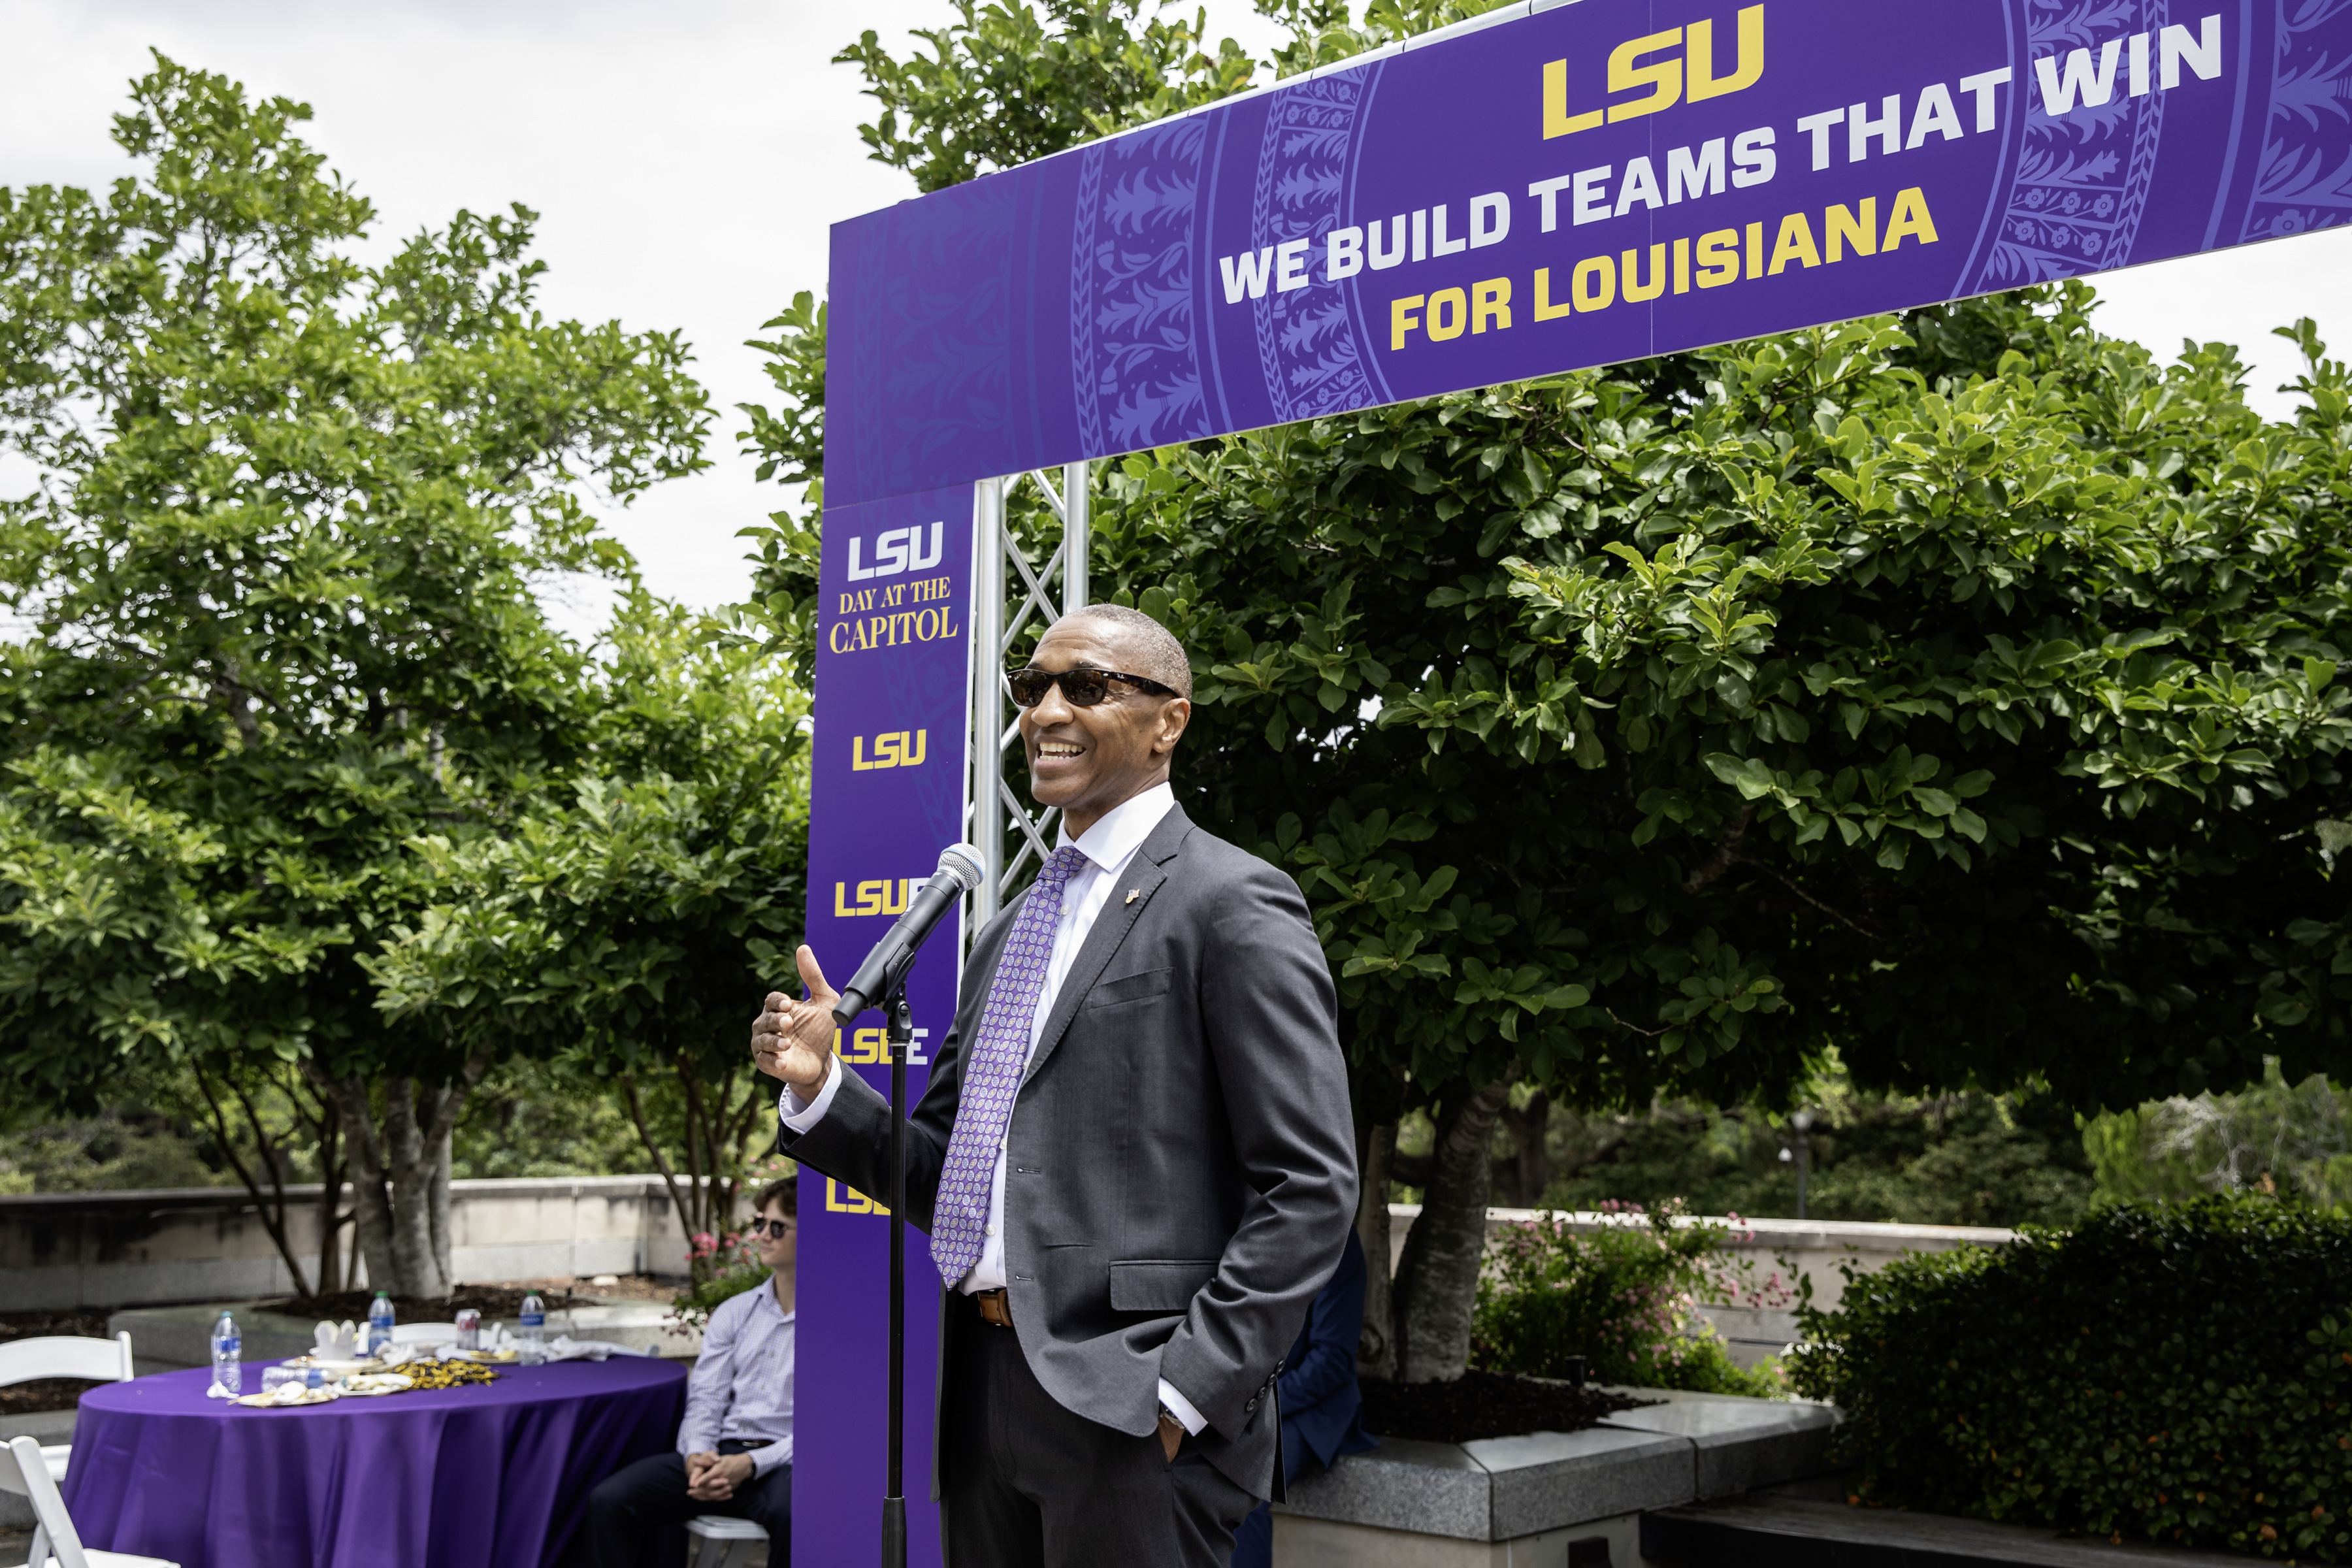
(987, 706)
(998, 817)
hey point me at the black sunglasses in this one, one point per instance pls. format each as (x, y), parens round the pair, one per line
(769, 1226)
(1083, 686)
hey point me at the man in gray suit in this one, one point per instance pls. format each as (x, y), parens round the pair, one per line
(1135, 1156)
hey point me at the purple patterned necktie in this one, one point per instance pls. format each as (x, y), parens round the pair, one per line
(993, 1073)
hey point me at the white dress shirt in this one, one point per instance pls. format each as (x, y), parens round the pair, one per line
(1108, 846)
(742, 1385)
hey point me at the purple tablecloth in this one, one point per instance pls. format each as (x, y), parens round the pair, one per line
(489, 1475)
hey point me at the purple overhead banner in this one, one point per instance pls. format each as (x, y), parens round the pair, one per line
(1572, 186)
(886, 795)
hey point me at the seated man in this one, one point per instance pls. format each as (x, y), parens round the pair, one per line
(735, 1447)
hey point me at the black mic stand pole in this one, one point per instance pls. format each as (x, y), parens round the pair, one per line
(894, 1502)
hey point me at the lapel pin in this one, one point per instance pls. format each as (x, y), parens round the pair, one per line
(1133, 894)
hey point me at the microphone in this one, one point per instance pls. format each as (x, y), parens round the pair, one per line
(959, 871)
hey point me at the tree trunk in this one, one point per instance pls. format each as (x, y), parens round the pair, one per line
(270, 1205)
(371, 1204)
(438, 1200)
(1376, 1350)
(1523, 1181)
(399, 1180)
(330, 1197)
(1437, 1280)
(409, 1166)
(707, 1196)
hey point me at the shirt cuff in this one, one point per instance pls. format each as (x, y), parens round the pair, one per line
(1194, 1420)
(798, 1117)
(765, 1459)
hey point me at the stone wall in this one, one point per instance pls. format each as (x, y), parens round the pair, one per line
(120, 1249)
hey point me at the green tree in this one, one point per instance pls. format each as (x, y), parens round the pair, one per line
(280, 564)
(1955, 688)
(637, 917)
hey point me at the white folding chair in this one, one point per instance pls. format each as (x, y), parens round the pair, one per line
(62, 1547)
(62, 1355)
(732, 1540)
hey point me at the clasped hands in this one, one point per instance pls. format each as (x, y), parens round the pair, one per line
(792, 1039)
(713, 1478)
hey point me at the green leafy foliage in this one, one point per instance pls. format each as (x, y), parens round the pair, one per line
(1623, 1298)
(279, 561)
(1650, 728)
(629, 923)
(2179, 1374)
(1957, 1158)
(1003, 84)
(2273, 1138)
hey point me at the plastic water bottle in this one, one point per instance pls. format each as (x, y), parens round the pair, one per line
(534, 1329)
(380, 1320)
(228, 1359)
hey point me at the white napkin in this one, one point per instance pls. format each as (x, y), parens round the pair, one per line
(563, 1347)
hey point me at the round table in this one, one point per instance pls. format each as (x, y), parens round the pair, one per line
(486, 1476)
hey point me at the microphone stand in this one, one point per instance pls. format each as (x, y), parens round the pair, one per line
(901, 1035)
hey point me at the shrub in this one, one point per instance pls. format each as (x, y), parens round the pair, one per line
(724, 1266)
(1624, 1297)
(2181, 1374)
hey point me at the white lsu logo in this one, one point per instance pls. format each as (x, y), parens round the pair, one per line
(898, 551)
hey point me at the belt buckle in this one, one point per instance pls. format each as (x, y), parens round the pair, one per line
(995, 1307)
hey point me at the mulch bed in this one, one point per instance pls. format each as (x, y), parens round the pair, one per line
(47, 1393)
(490, 1300)
(1486, 1405)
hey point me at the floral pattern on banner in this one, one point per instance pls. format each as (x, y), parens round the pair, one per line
(2080, 186)
(2305, 178)
(1306, 344)
(942, 355)
(1135, 348)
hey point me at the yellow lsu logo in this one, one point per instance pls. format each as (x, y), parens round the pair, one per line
(901, 749)
(880, 898)
(1688, 74)
(840, 1198)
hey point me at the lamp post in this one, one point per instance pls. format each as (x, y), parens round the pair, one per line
(1802, 1120)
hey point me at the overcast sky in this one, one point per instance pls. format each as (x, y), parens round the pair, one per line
(687, 159)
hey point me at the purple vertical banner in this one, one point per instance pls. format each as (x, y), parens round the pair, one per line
(886, 795)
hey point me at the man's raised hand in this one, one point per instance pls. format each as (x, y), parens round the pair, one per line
(793, 1041)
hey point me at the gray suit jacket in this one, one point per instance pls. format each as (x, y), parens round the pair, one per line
(1181, 1169)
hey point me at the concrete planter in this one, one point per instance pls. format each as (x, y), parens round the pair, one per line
(1516, 1503)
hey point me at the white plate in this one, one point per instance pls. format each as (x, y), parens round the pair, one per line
(282, 1401)
(376, 1383)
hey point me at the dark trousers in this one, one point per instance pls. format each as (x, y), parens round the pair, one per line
(635, 1517)
(1030, 1485)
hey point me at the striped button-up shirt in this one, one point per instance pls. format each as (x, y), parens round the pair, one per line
(742, 1386)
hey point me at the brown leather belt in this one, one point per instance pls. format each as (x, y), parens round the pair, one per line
(995, 1307)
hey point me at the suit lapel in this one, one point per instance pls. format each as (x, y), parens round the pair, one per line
(1144, 874)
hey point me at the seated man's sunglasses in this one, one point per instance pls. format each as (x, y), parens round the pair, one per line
(769, 1226)
(1083, 688)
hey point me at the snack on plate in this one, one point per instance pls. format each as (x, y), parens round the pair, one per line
(489, 1358)
(447, 1374)
(374, 1383)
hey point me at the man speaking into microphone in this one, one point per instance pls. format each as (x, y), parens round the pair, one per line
(1135, 1157)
